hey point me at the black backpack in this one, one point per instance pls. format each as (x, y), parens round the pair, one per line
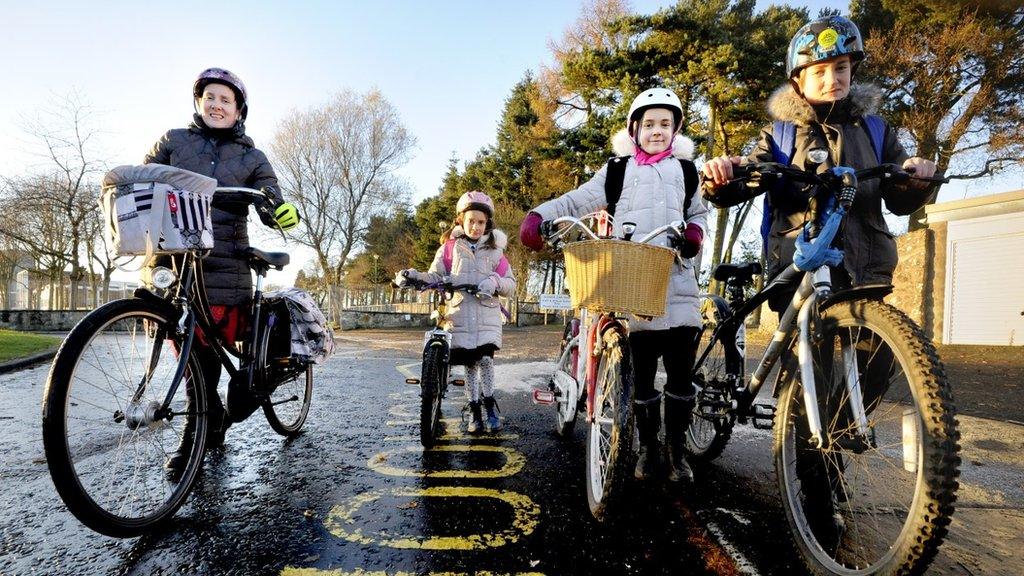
(616, 174)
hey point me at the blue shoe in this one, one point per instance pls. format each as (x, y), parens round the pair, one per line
(493, 423)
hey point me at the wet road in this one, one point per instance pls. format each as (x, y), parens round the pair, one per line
(355, 494)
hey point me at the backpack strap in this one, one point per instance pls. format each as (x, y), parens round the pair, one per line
(783, 145)
(876, 130)
(446, 255)
(615, 176)
(690, 180)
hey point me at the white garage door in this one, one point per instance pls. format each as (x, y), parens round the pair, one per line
(985, 281)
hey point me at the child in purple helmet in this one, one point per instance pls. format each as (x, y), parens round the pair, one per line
(472, 252)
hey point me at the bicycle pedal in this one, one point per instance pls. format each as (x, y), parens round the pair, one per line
(762, 416)
(543, 397)
(414, 381)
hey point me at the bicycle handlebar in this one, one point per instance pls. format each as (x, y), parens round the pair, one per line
(550, 231)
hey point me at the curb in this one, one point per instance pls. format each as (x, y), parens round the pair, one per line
(27, 361)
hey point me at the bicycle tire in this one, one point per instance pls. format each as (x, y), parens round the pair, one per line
(88, 419)
(298, 389)
(565, 415)
(280, 409)
(707, 436)
(432, 375)
(902, 486)
(609, 455)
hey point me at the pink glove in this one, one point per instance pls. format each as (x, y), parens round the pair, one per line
(689, 244)
(529, 232)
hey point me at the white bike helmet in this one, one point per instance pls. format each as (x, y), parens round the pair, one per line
(654, 98)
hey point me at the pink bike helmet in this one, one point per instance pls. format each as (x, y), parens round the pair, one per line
(475, 200)
(222, 76)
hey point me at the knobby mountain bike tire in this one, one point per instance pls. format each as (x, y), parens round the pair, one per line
(432, 376)
(881, 507)
(609, 456)
(105, 446)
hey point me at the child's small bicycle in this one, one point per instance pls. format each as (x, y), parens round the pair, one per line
(594, 371)
(436, 369)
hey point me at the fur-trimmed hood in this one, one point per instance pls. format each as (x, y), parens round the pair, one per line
(500, 238)
(622, 145)
(785, 104)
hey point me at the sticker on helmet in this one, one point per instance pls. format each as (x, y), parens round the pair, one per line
(827, 38)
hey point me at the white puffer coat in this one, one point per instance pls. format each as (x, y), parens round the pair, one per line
(652, 196)
(474, 321)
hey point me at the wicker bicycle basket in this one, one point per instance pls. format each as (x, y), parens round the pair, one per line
(618, 276)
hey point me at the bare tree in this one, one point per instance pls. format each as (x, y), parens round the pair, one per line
(59, 200)
(337, 163)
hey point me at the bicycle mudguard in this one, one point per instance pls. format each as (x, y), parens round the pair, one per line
(150, 298)
(865, 292)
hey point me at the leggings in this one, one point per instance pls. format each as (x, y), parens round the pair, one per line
(485, 384)
(677, 347)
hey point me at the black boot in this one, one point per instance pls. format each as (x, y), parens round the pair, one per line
(175, 465)
(476, 423)
(493, 423)
(648, 424)
(678, 413)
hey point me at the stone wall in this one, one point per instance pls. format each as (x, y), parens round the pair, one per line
(920, 278)
(41, 320)
(356, 319)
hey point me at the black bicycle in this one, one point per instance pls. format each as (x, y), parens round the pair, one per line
(866, 439)
(114, 407)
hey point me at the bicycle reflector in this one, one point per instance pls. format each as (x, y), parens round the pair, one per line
(545, 397)
(162, 277)
(412, 380)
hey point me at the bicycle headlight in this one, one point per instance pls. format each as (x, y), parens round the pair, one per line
(162, 277)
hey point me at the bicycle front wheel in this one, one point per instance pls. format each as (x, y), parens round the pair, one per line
(432, 376)
(876, 503)
(288, 405)
(105, 434)
(610, 435)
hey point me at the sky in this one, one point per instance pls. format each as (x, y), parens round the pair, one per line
(447, 66)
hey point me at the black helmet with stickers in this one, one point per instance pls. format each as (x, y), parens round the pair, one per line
(824, 39)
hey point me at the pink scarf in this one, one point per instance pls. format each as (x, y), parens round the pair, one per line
(643, 158)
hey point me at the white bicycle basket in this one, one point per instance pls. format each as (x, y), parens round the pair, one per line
(157, 209)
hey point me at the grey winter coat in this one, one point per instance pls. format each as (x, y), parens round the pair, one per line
(233, 160)
(652, 196)
(474, 320)
(869, 248)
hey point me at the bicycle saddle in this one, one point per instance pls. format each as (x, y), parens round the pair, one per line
(259, 259)
(743, 273)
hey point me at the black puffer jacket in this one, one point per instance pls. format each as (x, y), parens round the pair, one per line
(869, 248)
(232, 159)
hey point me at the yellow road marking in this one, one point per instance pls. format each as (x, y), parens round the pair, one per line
(340, 521)
(514, 462)
(404, 370)
(447, 421)
(455, 436)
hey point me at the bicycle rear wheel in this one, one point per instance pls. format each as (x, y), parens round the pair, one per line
(610, 436)
(712, 422)
(104, 436)
(859, 505)
(288, 405)
(433, 374)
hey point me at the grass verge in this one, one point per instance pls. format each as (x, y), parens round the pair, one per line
(20, 344)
